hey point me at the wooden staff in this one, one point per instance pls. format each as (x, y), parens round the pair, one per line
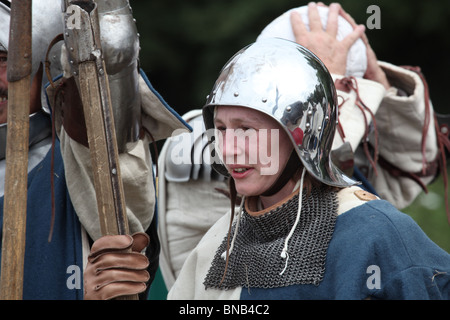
(15, 199)
(94, 92)
(97, 107)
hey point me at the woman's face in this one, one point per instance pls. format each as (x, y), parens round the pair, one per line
(254, 148)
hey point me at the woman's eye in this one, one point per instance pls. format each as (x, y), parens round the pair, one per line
(244, 128)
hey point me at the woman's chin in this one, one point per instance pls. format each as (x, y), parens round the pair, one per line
(246, 190)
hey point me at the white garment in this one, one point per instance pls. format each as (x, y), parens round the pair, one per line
(186, 210)
(281, 28)
(189, 284)
(399, 121)
(135, 166)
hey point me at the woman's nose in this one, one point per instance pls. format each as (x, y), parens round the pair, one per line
(231, 147)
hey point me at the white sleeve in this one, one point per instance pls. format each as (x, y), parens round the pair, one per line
(352, 118)
(401, 119)
(400, 122)
(189, 284)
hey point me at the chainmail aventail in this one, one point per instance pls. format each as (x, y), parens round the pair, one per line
(255, 260)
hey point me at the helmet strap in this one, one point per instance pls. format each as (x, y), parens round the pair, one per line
(289, 171)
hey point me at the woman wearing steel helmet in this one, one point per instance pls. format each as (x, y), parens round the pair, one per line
(304, 230)
(362, 149)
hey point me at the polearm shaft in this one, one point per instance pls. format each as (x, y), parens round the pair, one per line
(97, 107)
(15, 198)
(96, 98)
(104, 154)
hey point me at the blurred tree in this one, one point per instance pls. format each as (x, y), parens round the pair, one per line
(185, 43)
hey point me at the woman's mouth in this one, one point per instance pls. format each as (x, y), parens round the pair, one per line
(240, 172)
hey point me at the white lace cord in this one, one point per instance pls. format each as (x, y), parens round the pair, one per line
(224, 254)
(284, 253)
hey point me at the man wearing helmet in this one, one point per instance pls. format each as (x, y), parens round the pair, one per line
(57, 245)
(315, 234)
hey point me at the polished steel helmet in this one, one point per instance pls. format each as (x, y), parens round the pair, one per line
(290, 84)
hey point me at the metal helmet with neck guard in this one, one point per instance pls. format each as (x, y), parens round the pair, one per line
(287, 82)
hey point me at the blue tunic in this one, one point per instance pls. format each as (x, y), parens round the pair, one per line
(376, 252)
(52, 270)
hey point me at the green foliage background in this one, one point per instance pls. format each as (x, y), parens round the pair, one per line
(185, 43)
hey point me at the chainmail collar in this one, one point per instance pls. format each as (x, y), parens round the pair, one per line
(255, 259)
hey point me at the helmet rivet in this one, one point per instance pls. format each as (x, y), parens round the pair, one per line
(264, 100)
(288, 108)
(236, 94)
(307, 125)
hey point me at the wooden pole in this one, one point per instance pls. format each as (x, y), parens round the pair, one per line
(97, 107)
(15, 198)
(104, 152)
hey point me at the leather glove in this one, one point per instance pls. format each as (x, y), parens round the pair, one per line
(116, 267)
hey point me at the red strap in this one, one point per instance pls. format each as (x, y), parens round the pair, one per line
(52, 166)
(443, 144)
(339, 125)
(442, 137)
(347, 84)
(426, 122)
